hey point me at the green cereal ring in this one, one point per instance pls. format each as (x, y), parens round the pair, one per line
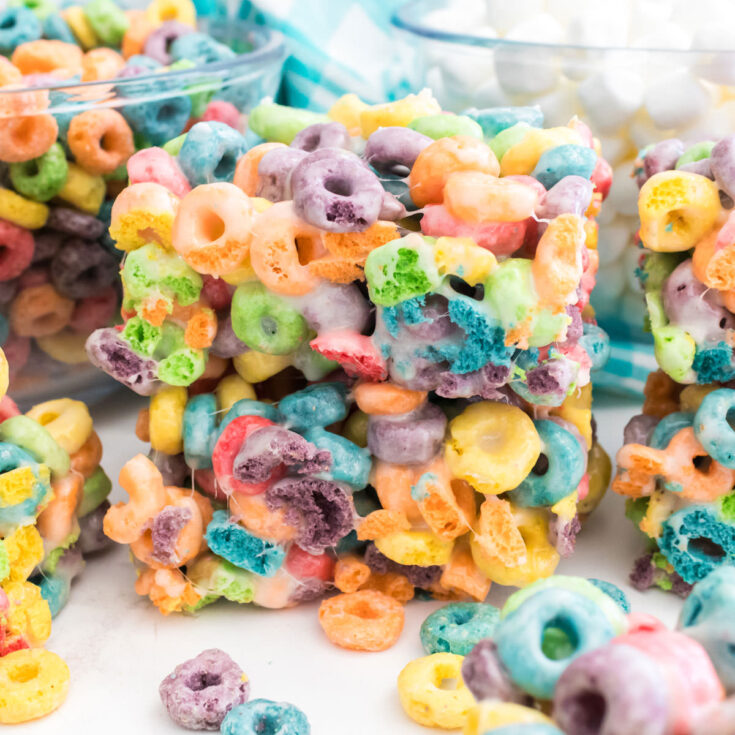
(152, 268)
(4, 562)
(446, 125)
(174, 145)
(547, 325)
(400, 270)
(675, 351)
(142, 336)
(656, 268)
(107, 20)
(655, 308)
(96, 489)
(172, 339)
(41, 178)
(509, 290)
(508, 138)
(279, 123)
(183, 366)
(40, 8)
(36, 440)
(697, 152)
(265, 322)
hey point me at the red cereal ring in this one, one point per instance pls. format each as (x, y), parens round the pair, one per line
(367, 620)
(100, 140)
(40, 311)
(356, 353)
(48, 57)
(94, 311)
(226, 449)
(16, 250)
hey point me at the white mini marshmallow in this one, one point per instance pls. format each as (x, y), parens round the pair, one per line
(665, 36)
(647, 15)
(676, 100)
(614, 148)
(623, 196)
(599, 24)
(715, 67)
(611, 97)
(504, 14)
(613, 241)
(559, 105)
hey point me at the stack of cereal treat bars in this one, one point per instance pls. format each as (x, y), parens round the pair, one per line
(677, 467)
(367, 343)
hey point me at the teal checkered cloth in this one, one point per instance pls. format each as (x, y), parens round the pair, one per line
(627, 369)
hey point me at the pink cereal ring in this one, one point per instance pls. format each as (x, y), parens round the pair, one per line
(304, 565)
(143, 213)
(212, 229)
(8, 408)
(207, 483)
(356, 353)
(16, 250)
(500, 238)
(222, 111)
(94, 311)
(281, 249)
(226, 449)
(158, 166)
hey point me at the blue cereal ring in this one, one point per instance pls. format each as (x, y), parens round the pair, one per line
(200, 48)
(241, 548)
(612, 591)
(696, 541)
(458, 627)
(55, 28)
(36, 440)
(210, 152)
(668, 427)
(157, 121)
(322, 404)
(55, 589)
(566, 465)
(494, 120)
(200, 425)
(712, 428)
(596, 344)
(520, 637)
(17, 25)
(249, 407)
(265, 717)
(564, 160)
(350, 464)
(13, 457)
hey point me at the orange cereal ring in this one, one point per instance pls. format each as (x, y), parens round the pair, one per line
(87, 458)
(212, 228)
(714, 257)
(201, 329)
(48, 57)
(9, 72)
(100, 140)
(392, 584)
(392, 483)
(40, 311)
(252, 513)
(281, 245)
(366, 620)
(142, 425)
(139, 28)
(382, 523)
(56, 521)
(477, 197)
(498, 534)
(27, 137)
(350, 574)
(443, 157)
(463, 576)
(381, 399)
(246, 171)
(439, 505)
(167, 589)
(101, 63)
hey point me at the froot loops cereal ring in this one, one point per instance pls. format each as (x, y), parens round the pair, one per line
(458, 627)
(33, 682)
(68, 421)
(366, 620)
(100, 140)
(17, 250)
(712, 428)
(25, 138)
(265, 716)
(40, 311)
(47, 57)
(167, 419)
(424, 697)
(386, 398)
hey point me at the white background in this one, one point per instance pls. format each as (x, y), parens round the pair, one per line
(119, 647)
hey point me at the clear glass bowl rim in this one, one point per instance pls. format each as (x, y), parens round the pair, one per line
(404, 19)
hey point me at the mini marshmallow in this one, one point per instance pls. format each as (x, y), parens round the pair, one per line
(718, 68)
(676, 100)
(611, 97)
(613, 241)
(558, 105)
(504, 15)
(623, 196)
(664, 36)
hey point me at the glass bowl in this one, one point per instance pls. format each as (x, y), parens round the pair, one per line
(48, 359)
(630, 97)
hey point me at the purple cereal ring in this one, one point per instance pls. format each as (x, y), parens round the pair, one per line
(614, 690)
(92, 537)
(393, 151)
(391, 209)
(159, 41)
(48, 243)
(571, 195)
(274, 173)
(320, 509)
(703, 167)
(639, 429)
(485, 676)
(173, 468)
(72, 222)
(82, 268)
(334, 191)
(722, 161)
(227, 344)
(111, 354)
(412, 438)
(200, 692)
(322, 135)
(335, 306)
(662, 157)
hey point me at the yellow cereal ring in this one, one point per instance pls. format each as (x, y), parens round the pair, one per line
(423, 698)
(3, 374)
(65, 346)
(677, 209)
(232, 389)
(347, 110)
(421, 548)
(29, 615)
(167, 419)
(522, 157)
(183, 11)
(22, 212)
(491, 714)
(399, 113)
(692, 396)
(463, 257)
(493, 446)
(77, 21)
(254, 367)
(83, 190)
(599, 469)
(16, 486)
(577, 410)
(33, 683)
(24, 548)
(67, 421)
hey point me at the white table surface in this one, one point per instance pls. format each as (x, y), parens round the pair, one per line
(119, 647)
